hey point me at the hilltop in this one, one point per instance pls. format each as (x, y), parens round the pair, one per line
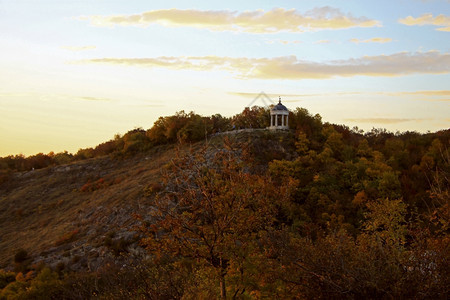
(186, 209)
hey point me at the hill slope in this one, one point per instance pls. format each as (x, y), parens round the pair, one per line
(80, 214)
(355, 211)
(62, 212)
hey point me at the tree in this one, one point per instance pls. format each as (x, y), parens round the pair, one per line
(135, 141)
(255, 117)
(213, 212)
(156, 134)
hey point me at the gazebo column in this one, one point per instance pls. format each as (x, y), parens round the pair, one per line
(276, 120)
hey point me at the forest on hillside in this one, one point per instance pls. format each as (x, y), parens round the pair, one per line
(335, 213)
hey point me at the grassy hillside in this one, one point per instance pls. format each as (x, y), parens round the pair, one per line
(81, 213)
(62, 212)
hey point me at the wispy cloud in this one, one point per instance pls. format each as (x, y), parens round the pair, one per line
(257, 21)
(436, 94)
(441, 21)
(429, 95)
(322, 42)
(96, 99)
(422, 93)
(441, 99)
(151, 105)
(372, 40)
(290, 67)
(284, 42)
(253, 95)
(78, 48)
(382, 120)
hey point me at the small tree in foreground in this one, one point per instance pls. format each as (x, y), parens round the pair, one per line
(213, 212)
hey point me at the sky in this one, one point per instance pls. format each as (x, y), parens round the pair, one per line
(75, 73)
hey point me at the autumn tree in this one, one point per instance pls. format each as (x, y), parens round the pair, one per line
(135, 141)
(254, 117)
(379, 263)
(220, 123)
(214, 212)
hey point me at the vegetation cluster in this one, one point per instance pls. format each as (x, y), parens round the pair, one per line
(332, 213)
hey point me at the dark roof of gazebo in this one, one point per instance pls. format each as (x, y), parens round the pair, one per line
(279, 106)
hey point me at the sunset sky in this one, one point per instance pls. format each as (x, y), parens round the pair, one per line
(74, 73)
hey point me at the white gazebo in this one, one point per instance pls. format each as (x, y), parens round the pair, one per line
(279, 116)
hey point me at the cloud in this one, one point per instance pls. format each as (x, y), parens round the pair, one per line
(322, 42)
(431, 95)
(247, 94)
(78, 48)
(383, 120)
(290, 42)
(290, 67)
(253, 95)
(284, 42)
(372, 40)
(422, 93)
(257, 21)
(442, 21)
(95, 99)
(151, 105)
(437, 94)
(443, 100)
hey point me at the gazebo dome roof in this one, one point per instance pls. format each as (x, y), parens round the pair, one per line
(279, 106)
